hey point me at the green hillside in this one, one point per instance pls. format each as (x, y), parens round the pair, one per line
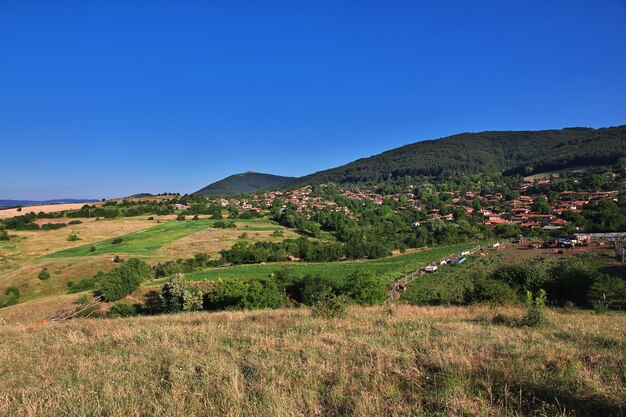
(247, 182)
(514, 152)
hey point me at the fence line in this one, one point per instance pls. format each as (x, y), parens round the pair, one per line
(401, 283)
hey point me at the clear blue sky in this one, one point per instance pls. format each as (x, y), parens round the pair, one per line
(110, 98)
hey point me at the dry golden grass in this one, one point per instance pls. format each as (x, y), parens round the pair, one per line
(416, 361)
(47, 208)
(212, 241)
(20, 260)
(39, 243)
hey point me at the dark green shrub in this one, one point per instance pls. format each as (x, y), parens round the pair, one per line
(122, 309)
(44, 274)
(178, 295)
(151, 218)
(224, 225)
(316, 286)
(72, 237)
(92, 249)
(117, 241)
(195, 217)
(522, 276)
(238, 294)
(364, 288)
(4, 235)
(572, 279)
(330, 306)
(75, 222)
(53, 226)
(123, 280)
(87, 284)
(180, 217)
(12, 297)
(493, 291)
(605, 291)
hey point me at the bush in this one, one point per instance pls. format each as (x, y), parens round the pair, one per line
(224, 225)
(75, 222)
(330, 306)
(572, 280)
(92, 249)
(44, 274)
(180, 217)
(151, 218)
(239, 294)
(123, 280)
(605, 291)
(177, 295)
(12, 296)
(86, 284)
(72, 237)
(53, 226)
(316, 286)
(117, 241)
(364, 288)
(535, 309)
(195, 217)
(493, 291)
(122, 309)
(523, 276)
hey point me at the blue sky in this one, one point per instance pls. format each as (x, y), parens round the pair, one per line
(106, 99)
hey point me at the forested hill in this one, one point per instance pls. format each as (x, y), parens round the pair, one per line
(510, 152)
(247, 182)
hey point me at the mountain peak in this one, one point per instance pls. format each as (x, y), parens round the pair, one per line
(246, 182)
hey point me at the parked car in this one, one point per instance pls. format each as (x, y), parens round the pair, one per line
(563, 242)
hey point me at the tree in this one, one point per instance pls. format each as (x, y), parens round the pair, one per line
(44, 274)
(123, 280)
(364, 288)
(238, 294)
(541, 205)
(177, 295)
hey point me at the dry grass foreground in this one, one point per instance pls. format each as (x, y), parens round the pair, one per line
(415, 361)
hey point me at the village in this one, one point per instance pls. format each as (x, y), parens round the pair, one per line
(494, 210)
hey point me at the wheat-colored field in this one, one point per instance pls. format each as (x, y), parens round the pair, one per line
(46, 208)
(411, 361)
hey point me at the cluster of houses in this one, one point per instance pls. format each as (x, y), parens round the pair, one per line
(492, 212)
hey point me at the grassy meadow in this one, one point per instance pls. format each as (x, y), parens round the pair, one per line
(389, 269)
(445, 361)
(27, 252)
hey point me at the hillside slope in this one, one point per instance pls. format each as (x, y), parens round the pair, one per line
(247, 182)
(415, 361)
(514, 152)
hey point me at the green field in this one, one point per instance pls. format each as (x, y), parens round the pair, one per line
(389, 269)
(144, 242)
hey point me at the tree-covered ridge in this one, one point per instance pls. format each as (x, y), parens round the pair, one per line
(513, 152)
(247, 182)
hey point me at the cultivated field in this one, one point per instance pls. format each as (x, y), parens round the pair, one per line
(412, 361)
(388, 269)
(160, 239)
(46, 208)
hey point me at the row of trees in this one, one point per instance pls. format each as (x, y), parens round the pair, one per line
(302, 248)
